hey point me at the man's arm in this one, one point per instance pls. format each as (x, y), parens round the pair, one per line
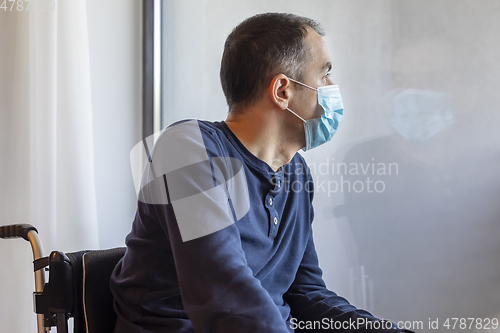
(310, 300)
(219, 291)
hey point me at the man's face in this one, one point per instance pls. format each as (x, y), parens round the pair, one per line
(316, 69)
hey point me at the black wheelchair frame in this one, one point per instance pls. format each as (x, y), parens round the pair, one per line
(78, 285)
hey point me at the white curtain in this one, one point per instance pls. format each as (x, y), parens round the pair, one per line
(46, 145)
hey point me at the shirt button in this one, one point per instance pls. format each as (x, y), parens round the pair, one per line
(270, 201)
(275, 220)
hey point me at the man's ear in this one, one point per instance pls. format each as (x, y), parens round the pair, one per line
(280, 91)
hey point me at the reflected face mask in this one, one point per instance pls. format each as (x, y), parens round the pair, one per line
(421, 114)
(321, 130)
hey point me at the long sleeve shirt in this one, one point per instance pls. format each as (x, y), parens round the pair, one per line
(223, 243)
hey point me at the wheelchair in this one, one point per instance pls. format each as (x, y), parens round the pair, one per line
(78, 285)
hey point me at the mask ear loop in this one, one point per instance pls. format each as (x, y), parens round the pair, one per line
(303, 84)
(297, 115)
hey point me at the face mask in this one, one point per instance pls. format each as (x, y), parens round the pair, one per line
(421, 114)
(321, 130)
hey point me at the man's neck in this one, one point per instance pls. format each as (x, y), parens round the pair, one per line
(263, 135)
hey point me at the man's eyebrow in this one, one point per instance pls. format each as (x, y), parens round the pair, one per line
(328, 66)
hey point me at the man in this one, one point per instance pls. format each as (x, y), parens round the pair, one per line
(222, 238)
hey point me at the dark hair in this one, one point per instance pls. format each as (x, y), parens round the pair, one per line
(260, 48)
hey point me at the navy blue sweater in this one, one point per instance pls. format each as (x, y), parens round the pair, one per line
(251, 268)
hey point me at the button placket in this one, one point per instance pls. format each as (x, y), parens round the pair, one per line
(270, 203)
(277, 181)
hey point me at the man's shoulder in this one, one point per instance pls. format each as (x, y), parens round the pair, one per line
(206, 126)
(191, 133)
(186, 142)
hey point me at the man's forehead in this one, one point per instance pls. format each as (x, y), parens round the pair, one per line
(320, 57)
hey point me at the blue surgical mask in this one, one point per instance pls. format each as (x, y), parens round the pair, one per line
(321, 130)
